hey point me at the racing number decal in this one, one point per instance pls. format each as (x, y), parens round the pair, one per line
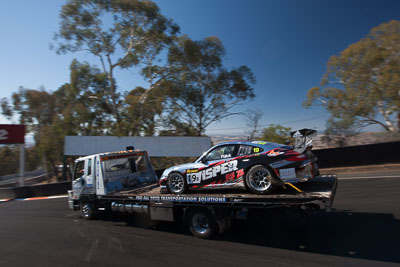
(193, 178)
(256, 149)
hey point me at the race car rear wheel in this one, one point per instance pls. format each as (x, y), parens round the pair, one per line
(202, 223)
(176, 183)
(258, 180)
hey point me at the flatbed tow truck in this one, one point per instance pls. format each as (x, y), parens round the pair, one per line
(125, 181)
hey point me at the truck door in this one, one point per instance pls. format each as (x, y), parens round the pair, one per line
(79, 180)
(85, 178)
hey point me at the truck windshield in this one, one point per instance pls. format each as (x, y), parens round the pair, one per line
(127, 165)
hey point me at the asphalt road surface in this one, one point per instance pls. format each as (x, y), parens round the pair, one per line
(363, 230)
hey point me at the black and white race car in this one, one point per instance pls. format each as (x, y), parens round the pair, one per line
(258, 166)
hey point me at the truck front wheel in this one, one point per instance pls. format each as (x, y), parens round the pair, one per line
(87, 209)
(202, 223)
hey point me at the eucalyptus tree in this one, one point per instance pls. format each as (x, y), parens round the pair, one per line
(201, 90)
(253, 118)
(364, 81)
(76, 108)
(122, 34)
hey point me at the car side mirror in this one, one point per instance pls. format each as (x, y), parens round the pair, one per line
(203, 160)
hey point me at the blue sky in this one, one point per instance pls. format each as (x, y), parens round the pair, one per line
(286, 44)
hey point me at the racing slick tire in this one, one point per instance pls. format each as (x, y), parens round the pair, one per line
(88, 210)
(176, 183)
(258, 180)
(202, 223)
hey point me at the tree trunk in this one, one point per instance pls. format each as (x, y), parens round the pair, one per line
(398, 122)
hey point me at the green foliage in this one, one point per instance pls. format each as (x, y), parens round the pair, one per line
(200, 90)
(76, 108)
(176, 128)
(9, 156)
(34, 108)
(364, 80)
(137, 34)
(140, 113)
(277, 134)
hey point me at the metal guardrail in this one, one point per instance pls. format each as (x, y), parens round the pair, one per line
(27, 174)
(27, 181)
(35, 190)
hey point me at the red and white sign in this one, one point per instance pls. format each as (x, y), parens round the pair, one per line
(12, 134)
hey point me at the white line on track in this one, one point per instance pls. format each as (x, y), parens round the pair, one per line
(369, 177)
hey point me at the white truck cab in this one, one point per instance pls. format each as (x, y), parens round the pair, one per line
(105, 173)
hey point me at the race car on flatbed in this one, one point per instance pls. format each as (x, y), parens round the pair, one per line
(124, 181)
(258, 166)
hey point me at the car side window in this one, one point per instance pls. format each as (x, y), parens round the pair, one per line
(248, 150)
(221, 152)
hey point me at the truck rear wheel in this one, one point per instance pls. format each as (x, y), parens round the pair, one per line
(87, 209)
(202, 223)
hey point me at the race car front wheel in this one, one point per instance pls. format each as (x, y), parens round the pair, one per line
(258, 180)
(176, 183)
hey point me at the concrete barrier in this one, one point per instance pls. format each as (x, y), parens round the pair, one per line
(359, 155)
(35, 190)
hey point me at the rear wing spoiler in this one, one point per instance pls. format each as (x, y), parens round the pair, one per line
(303, 139)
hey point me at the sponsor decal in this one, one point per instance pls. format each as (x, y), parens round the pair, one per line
(274, 152)
(259, 142)
(239, 173)
(98, 174)
(192, 171)
(229, 176)
(182, 199)
(221, 169)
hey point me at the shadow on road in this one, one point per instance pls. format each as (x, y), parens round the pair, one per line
(347, 234)
(370, 236)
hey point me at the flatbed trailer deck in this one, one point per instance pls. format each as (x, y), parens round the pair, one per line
(209, 212)
(320, 190)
